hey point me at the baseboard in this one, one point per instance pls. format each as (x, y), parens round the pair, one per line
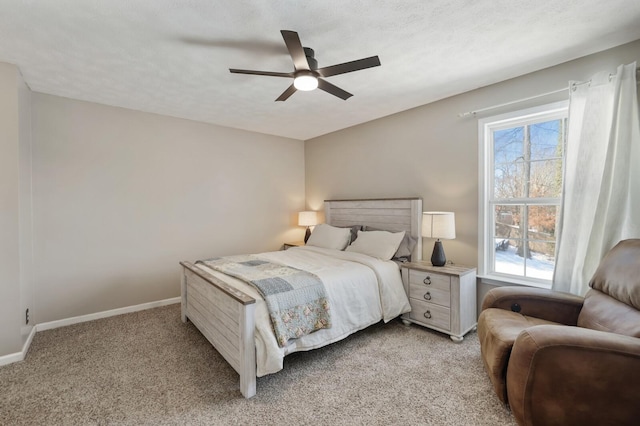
(19, 356)
(105, 314)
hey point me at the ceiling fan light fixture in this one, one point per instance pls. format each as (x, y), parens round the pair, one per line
(305, 82)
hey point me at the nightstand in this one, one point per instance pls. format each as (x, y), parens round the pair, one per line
(294, 244)
(442, 298)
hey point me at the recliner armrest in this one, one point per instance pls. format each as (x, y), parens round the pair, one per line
(573, 375)
(549, 305)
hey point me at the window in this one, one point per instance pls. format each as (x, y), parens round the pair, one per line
(521, 170)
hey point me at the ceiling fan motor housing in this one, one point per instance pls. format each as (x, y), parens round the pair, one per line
(309, 53)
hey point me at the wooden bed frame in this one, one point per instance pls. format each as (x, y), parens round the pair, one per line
(226, 316)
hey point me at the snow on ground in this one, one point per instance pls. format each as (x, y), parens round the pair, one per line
(539, 266)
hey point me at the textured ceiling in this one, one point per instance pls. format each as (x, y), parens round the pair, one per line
(172, 57)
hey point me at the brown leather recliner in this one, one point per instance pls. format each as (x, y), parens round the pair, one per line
(559, 359)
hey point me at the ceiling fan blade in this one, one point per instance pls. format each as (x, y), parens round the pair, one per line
(334, 90)
(296, 51)
(285, 95)
(346, 67)
(269, 73)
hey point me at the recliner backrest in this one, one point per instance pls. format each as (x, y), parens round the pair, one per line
(604, 313)
(613, 302)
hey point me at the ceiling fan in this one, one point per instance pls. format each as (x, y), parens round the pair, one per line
(306, 75)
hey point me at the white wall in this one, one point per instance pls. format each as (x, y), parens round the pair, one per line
(10, 341)
(25, 209)
(120, 197)
(432, 153)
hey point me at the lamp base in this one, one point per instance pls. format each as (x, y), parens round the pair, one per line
(437, 257)
(307, 234)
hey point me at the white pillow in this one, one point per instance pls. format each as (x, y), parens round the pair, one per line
(330, 237)
(380, 244)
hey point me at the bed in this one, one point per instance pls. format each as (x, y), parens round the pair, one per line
(232, 316)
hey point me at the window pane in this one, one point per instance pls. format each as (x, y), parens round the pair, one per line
(506, 219)
(508, 145)
(507, 261)
(542, 239)
(507, 239)
(546, 140)
(542, 223)
(509, 180)
(508, 156)
(542, 260)
(545, 180)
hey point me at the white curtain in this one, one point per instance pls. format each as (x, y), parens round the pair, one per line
(601, 197)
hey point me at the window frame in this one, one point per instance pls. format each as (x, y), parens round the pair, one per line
(486, 224)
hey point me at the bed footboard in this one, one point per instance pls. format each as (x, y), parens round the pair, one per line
(226, 317)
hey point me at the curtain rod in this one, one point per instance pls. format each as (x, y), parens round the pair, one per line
(553, 92)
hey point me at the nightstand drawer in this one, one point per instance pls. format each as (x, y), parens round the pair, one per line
(430, 279)
(430, 314)
(425, 293)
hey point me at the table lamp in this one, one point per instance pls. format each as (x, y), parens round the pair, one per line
(439, 225)
(307, 218)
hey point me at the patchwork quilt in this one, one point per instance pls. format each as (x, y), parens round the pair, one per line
(296, 299)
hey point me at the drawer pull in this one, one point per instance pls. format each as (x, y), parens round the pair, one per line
(427, 315)
(427, 280)
(427, 296)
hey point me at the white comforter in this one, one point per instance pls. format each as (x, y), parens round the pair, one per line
(362, 290)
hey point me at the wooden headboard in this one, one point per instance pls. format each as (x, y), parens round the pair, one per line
(389, 214)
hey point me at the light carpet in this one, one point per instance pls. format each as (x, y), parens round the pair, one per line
(149, 368)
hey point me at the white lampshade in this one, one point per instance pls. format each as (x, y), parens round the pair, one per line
(308, 218)
(439, 225)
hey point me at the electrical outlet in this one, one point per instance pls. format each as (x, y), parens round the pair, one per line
(26, 316)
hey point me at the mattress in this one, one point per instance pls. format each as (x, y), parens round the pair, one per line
(362, 291)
